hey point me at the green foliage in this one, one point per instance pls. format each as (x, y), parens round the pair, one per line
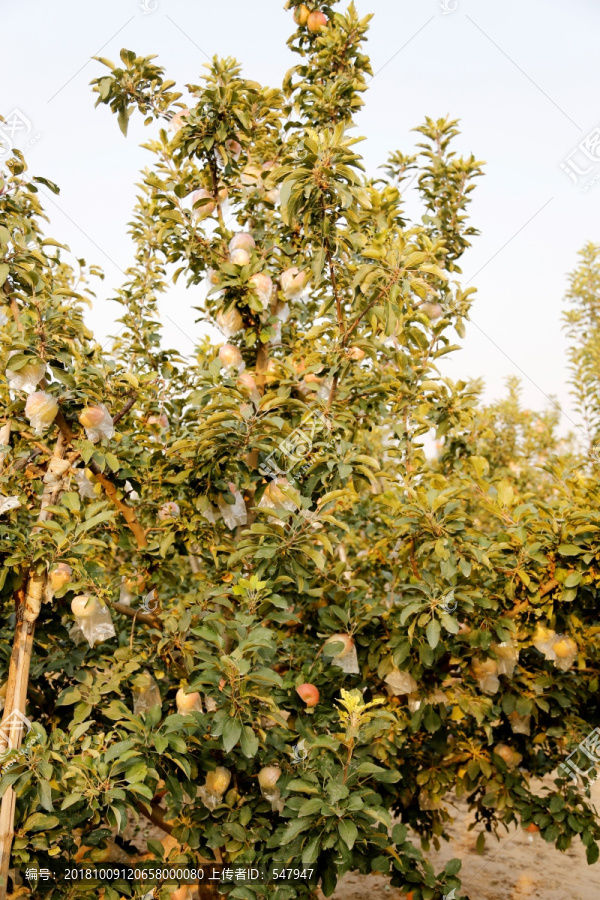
(426, 569)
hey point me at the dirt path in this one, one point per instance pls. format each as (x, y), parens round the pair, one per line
(518, 867)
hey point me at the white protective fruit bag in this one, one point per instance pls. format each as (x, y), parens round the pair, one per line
(400, 682)
(93, 619)
(212, 791)
(41, 410)
(520, 724)
(508, 657)
(486, 673)
(145, 693)
(267, 779)
(26, 378)
(98, 423)
(235, 513)
(85, 487)
(345, 659)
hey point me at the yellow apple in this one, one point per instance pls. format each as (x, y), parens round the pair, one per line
(60, 576)
(84, 607)
(218, 780)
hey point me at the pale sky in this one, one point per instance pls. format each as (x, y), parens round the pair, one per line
(521, 75)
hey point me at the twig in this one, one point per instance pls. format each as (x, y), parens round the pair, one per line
(125, 409)
(146, 618)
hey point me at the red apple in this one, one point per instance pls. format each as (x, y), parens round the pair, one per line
(309, 693)
(316, 21)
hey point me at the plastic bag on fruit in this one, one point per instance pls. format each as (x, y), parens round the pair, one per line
(84, 485)
(486, 673)
(235, 513)
(274, 497)
(520, 724)
(211, 514)
(41, 410)
(543, 640)
(508, 656)
(8, 503)
(565, 652)
(345, 659)
(400, 682)
(212, 791)
(98, 423)
(145, 693)
(27, 378)
(93, 619)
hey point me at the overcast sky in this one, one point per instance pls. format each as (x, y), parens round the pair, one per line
(522, 76)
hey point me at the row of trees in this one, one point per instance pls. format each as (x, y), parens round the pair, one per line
(242, 602)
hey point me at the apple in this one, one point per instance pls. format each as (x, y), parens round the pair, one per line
(251, 176)
(316, 21)
(230, 322)
(240, 257)
(233, 147)
(60, 576)
(510, 756)
(218, 780)
(177, 120)
(84, 607)
(182, 893)
(27, 378)
(432, 310)
(485, 667)
(209, 205)
(565, 647)
(230, 356)
(169, 510)
(263, 286)
(161, 421)
(356, 354)
(247, 381)
(187, 702)
(301, 14)
(309, 693)
(344, 639)
(269, 776)
(292, 282)
(91, 416)
(243, 240)
(41, 409)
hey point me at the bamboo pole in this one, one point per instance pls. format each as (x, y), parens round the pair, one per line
(28, 605)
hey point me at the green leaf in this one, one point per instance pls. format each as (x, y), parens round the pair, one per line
(348, 832)
(249, 742)
(232, 732)
(40, 822)
(433, 633)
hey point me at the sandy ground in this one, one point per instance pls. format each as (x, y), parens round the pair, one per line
(518, 867)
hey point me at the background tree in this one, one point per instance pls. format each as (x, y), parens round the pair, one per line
(322, 636)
